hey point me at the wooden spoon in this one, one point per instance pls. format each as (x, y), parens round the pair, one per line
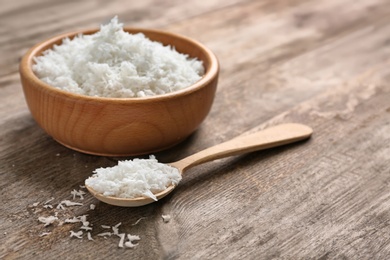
(268, 138)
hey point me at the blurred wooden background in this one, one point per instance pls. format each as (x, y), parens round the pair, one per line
(324, 63)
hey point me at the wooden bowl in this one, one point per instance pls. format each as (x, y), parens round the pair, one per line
(121, 126)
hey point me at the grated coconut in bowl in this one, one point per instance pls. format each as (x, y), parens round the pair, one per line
(113, 63)
(134, 178)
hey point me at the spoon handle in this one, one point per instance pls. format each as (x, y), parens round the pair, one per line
(268, 138)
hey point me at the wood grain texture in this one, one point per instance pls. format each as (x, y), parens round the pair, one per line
(324, 63)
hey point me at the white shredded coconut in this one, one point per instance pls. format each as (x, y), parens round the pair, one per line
(131, 239)
(86, 228)
(122, 240)
(47, 220)
(134, 178)
(68, 203)
(114, 63)
(166, 218)
(92, 206)
(76, 234)
(48, 206)
(104, 234)
(60, 206)
(72, 220)
(138, 221)
(125, 240)
(78, 193)
(49, 200)
(83, 219)
(115, 229)
(35, 204)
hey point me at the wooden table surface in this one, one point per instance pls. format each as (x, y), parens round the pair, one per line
(323, 63)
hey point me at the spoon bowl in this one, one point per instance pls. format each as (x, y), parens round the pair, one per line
(127, 202)
(271, 137)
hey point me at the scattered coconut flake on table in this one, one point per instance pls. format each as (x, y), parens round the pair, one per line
(138, 221)
(68, 203)
(104, 234)
(115, 228)
(166, 218)
(76, 234)
(49, 200)
(78, 193)
(46, 203)
(134, 178)
(83, 219)
(131, 239)
(122, 240)
(47, 220)
(72, 220)
(86, 226)
(114, 63)
(44, 234)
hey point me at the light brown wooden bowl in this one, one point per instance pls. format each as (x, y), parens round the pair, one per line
(121, 126)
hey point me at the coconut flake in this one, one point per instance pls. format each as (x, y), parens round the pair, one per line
(49, 200)
(166, 218)
(83, 219)
(115, 229)
(47, 220)
(78, 193)
(138, 220)
(77, 234)
(104, 234)
(72, 220)
(114, 63)
(131, 239)
(134, 178)
(86, 228)
(122, 240)
(60, 206)
(68, 203)
(44, 234)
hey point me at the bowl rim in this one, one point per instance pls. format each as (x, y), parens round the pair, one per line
(25, 68)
